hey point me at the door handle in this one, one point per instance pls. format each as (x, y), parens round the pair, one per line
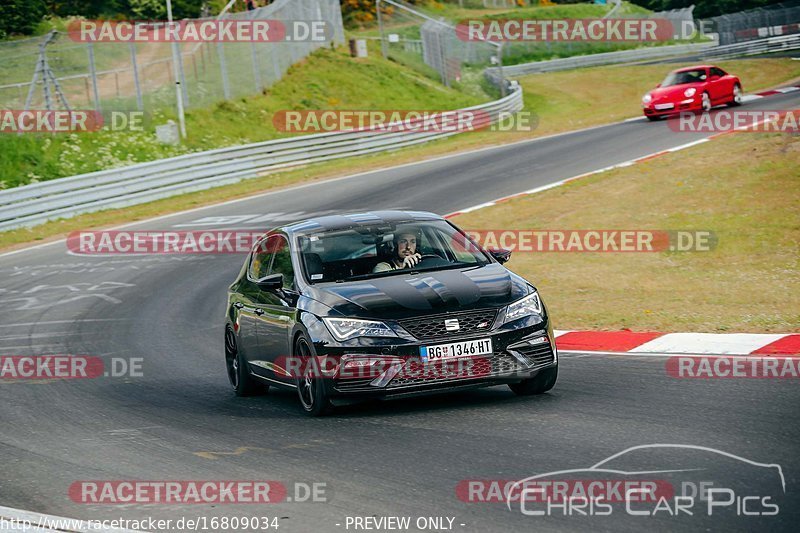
(259, 312)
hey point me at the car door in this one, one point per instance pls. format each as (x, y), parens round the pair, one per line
(276, 312)
(248, 301)
(718, 85)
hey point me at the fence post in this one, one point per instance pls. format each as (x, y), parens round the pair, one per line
(139, 103)
(93, 74)
(226, 90)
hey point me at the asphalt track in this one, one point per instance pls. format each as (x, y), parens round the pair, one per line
(179, 421)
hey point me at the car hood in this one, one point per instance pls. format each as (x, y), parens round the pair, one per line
(402, 296)
(674, 92)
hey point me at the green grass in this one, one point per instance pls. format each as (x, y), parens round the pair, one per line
(743, 187)
(328, 79)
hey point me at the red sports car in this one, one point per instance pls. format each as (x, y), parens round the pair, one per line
(692, 89)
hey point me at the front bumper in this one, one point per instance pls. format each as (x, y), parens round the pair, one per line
(519, 351)
(663, 109)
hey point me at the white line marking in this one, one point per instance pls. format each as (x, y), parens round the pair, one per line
(76, 321)
(688, 145)
(708, 343)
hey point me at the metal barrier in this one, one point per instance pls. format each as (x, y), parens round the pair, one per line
(752, 48)
(606, 58)
(30, 205)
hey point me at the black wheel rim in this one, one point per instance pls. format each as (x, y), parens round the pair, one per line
(232, 358)
(305, 383)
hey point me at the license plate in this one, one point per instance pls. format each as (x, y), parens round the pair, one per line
(452, 350)
(661, 107)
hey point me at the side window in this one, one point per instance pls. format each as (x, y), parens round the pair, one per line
(282, 263)
(259, 264)
(717, 72)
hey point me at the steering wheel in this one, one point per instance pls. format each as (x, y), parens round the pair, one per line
(431, 258)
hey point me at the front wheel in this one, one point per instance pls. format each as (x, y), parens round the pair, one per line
(706, 103)
(310, 388)
(539, 384)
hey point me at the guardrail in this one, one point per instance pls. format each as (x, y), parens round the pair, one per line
(756, 47)
(605, 58)
(34, 204)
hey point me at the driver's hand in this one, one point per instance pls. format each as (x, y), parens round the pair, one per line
(411, 260)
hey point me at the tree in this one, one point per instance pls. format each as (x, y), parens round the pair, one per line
(20, 16)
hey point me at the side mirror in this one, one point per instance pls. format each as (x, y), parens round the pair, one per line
(500, 254)
(658, 86)
(272, 282)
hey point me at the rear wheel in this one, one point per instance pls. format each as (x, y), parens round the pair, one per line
(540, 383)
(238, 373)
(653, 117)
(310, 389)
(736, 96)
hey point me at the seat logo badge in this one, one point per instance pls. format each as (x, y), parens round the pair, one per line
(451, 324)
(482, 325)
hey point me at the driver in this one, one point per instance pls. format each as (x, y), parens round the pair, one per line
(405, 252)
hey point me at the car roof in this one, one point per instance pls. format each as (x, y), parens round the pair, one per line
(351, 220)
(696, 67)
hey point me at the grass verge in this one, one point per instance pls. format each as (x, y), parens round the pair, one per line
(742, 187)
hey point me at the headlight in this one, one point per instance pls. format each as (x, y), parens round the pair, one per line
(688, 93)
(348, 328)
(647, 98)
(529, 305)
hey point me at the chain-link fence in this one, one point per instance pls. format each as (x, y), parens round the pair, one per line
(141, 75)
(775, 20)
(420, 40)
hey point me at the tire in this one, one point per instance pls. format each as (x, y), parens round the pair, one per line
(705, 106)
(653, 118)
(310, 388)
(238, 373)
(736, 97)
(539, 384)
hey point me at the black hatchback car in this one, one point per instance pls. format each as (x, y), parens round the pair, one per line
(333, 308)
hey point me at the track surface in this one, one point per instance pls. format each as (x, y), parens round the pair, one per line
(377, 459)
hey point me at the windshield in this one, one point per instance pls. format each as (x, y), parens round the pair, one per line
(686, 76)
(379, 250)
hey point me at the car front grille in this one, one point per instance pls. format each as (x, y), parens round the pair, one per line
(415, 372)
(433, 326)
